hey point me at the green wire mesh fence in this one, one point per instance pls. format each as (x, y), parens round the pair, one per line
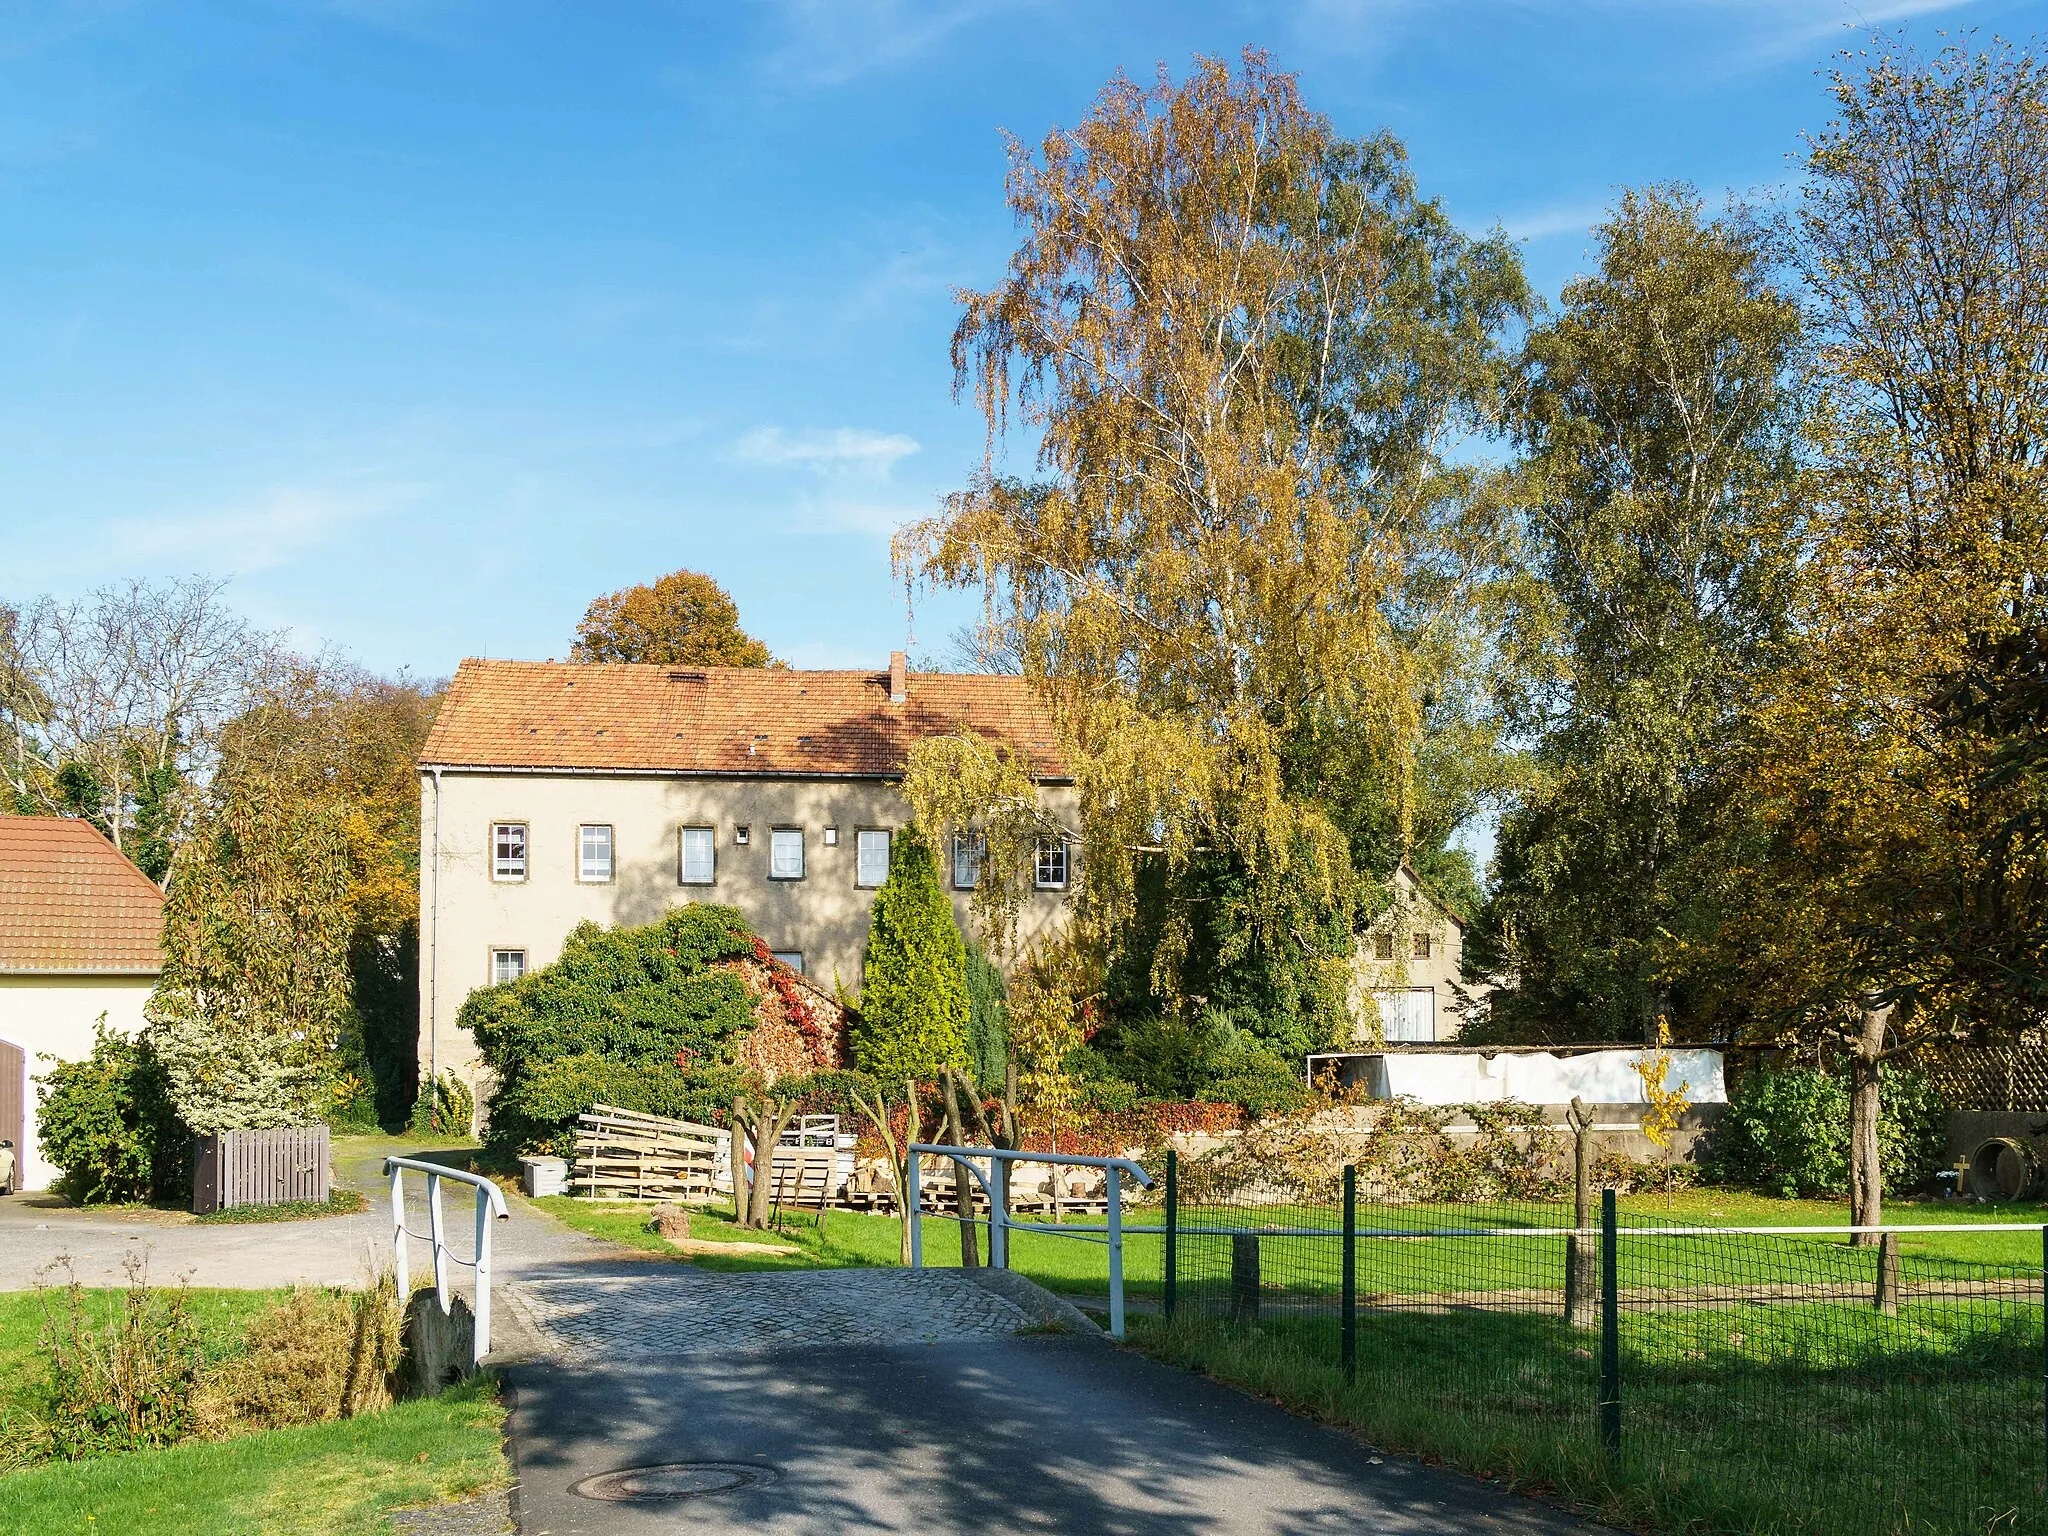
(1757, 1379)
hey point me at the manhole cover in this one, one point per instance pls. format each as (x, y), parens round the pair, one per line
(674, 1480)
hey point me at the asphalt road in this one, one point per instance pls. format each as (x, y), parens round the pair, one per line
(1023, 1434)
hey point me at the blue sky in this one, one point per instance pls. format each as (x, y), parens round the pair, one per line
(427, 322)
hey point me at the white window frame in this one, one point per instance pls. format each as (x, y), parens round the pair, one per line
(793, 958)
(501, 865)
(860, 855)
(1046, 846)
(777, 841)
(973, 847)
(611, 853)
(683, 855)
(498, 957)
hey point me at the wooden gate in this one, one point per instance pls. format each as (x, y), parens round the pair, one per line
(13, 1108)
(231, 1168)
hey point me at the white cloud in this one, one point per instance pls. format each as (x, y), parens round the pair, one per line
(1560, 219)
(829, 42)
(261, 536)
(840, 451)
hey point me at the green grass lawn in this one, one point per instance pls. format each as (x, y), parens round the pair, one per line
(335, 1479)
(1403, 1266)
(1737, 1421)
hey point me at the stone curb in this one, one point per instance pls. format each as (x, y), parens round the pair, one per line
(1034, 1301)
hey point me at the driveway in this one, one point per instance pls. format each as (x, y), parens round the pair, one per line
(990, 1435)
(38, 1231)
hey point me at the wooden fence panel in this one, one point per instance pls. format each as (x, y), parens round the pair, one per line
(231, 1168)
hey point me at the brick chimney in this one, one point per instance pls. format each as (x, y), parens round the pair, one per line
(899, 678)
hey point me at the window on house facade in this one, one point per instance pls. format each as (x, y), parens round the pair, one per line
(969, 849)
(786, 853)
(739, 836)
(1051, 874)
(1422, 946)
(831, 837)
(507, 965)
(508, 850)
(870, 856)
(594, 853)
(793, 958)
(699, 856)
(1383, 946)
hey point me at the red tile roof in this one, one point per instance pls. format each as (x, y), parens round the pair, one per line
(720, 720)
(70, 903)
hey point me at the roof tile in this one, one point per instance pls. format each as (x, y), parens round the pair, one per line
(70, 902)
(720, 720)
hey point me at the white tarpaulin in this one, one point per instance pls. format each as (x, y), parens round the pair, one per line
(1598, 1077)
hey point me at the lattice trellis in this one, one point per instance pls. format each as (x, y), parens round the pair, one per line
(1991, 1076)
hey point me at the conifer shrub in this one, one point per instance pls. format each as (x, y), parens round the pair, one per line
(914, 1001)
(988, 1019)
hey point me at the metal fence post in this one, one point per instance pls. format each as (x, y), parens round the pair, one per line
(436, 1226)
(1172, 1276)
(914, 1198)
(1116, 1254)
(481, 1338)
(398, 1234)
(1610, 1330)
(1349, 1333)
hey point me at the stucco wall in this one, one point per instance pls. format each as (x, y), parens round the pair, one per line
(824, 915)
(1412, 913)
(54, 1016)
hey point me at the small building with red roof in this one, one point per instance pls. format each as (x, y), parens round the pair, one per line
(80, 930)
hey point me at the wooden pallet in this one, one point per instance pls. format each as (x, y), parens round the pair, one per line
(623, 1154)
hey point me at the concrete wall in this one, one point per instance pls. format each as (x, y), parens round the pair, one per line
(54, 1016)
(824, 916)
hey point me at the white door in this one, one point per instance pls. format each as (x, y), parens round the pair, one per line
(1408, 1015)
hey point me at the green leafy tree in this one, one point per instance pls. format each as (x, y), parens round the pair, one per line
(645, 1018)
(1661, 413)
(684, 619)
(107, 1122)
(914, 1001)
(254, 992)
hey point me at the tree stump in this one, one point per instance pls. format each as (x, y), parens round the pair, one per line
(671, 1222)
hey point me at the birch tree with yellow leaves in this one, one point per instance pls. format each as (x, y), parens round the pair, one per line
(1245, 350)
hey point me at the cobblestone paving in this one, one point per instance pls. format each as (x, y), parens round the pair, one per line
(628, 1316)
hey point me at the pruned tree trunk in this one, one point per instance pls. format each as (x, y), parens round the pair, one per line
(963, 1181)
(877, 1113)
(1004, 1138)
(763, 1122)
(1866, 1083)
(1582, 1253)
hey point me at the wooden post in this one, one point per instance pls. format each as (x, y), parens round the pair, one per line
(1888, 1274)
(1244, 1277)
(963, 1181)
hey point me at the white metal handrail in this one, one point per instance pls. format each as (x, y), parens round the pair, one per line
(1000, 1224)
(490, 1202)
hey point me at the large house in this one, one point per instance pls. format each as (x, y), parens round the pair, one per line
(557, 793)
(79, 931)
